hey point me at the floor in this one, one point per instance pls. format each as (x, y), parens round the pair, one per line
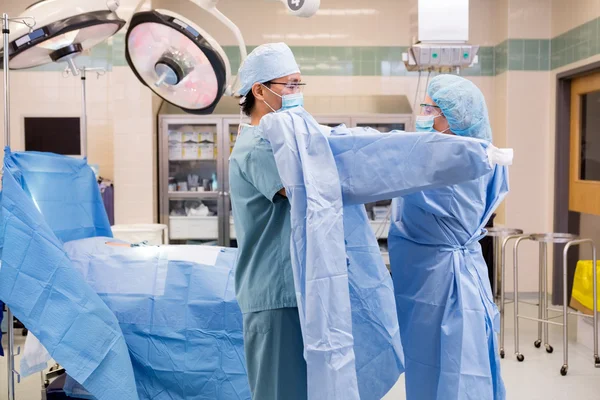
(537, 378)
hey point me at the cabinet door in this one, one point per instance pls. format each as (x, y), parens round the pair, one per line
(231, 128)
(190, 179)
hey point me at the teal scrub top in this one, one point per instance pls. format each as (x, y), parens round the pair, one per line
(263, 278)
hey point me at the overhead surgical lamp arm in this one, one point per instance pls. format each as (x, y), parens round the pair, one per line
(231, 88)
(211, 7)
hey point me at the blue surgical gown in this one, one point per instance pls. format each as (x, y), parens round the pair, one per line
(445, 308)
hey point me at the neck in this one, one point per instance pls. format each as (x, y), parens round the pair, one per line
(256, 117)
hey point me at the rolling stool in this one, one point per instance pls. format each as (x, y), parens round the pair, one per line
(543, 308)
(501, 237)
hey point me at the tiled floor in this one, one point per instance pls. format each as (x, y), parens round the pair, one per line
(537, 378)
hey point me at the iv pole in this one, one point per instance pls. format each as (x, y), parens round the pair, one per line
(83, 122)
(10, 356)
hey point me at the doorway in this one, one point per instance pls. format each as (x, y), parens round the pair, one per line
(577, 179)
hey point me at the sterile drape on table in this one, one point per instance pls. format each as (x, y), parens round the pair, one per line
(45, 292)
(64, 190)
(176, 306)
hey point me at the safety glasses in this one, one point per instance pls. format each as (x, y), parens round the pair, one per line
(430, 109)
(290, 87)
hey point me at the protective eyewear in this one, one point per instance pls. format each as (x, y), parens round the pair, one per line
(290, 87)
(429, 109)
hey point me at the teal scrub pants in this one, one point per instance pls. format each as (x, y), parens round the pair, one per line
(275, 355)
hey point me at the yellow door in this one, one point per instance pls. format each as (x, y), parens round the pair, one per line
(584, 188)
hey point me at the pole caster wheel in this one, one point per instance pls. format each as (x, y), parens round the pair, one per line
(563, 370)
(520, 357)
(597, 362)
(549, 349)
(502, 354)
(537, 344)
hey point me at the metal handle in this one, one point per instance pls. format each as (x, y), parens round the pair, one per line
(18, 375)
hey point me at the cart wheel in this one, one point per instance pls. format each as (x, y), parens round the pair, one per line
(563, 370)
(549, 349)
(537, 343)
(520, 357)
(597, 362)
(501, 353)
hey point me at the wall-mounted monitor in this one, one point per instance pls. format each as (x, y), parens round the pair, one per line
(60, 135)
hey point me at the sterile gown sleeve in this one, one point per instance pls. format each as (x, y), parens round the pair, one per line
(379, 166)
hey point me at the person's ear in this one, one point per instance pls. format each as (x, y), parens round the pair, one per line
(258, 91)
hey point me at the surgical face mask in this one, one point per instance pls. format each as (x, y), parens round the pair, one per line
(287, 101)
(424, 123)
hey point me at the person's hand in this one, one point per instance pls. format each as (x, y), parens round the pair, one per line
(498, 156)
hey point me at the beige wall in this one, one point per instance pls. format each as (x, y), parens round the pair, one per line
(49, 94)
(567, 14)
(529, 19)
(135, 160)
(520, 119)
(377, 23)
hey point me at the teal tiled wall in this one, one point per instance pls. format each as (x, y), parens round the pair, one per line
(510, 55)
(362, 61)
(576, 44)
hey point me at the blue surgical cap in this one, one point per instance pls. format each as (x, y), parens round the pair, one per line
(267, 62)
(463, 106)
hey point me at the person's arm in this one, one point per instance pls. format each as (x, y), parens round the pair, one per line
(375, 167)
(260, 169)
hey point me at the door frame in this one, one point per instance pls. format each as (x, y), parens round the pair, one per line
(565, 221)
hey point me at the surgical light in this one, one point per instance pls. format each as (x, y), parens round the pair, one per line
(184, 64)
(63, 30)
(178, 60)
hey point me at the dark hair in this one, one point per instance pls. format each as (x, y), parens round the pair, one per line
(249, 101)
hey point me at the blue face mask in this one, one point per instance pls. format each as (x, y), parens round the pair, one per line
(424, 123)
(287, 101)
(292, 100)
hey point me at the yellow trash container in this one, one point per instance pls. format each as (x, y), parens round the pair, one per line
(583, 286)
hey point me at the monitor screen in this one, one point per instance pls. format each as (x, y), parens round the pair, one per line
(61, 135)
